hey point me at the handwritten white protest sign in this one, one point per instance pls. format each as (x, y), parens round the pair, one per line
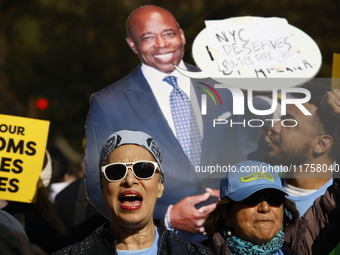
(262, 49)
(261, 43)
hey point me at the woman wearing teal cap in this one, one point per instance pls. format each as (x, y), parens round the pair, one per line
(255, 217)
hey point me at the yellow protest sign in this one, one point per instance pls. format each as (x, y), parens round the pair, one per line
(336, 71)
(22, 151)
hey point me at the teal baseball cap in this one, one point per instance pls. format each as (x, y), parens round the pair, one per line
(247, 177)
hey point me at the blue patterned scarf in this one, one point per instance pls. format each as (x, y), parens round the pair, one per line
(238, 246)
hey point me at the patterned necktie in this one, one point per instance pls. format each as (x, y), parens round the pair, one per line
(187, 130)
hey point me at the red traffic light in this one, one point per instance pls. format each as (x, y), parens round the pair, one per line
(41, 103)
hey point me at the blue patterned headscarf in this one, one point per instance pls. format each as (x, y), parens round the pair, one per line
(130, 137)
(115, 140)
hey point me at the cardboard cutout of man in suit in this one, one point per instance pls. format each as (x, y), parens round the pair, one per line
(140, 101)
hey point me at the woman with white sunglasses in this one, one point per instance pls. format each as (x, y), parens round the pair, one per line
(132, 179)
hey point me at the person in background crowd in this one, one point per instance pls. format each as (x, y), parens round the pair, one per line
(132, 178)
(13, 242)
(60, 174)
(304, 148)
(308, 147)
(79, 216)
(42, 225)
(331, 102)
(13, 238)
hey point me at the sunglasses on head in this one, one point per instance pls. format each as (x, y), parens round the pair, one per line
(271, 196)
(141, 169)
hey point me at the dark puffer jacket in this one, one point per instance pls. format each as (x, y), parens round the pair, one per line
(102, 242)
(318, 230)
